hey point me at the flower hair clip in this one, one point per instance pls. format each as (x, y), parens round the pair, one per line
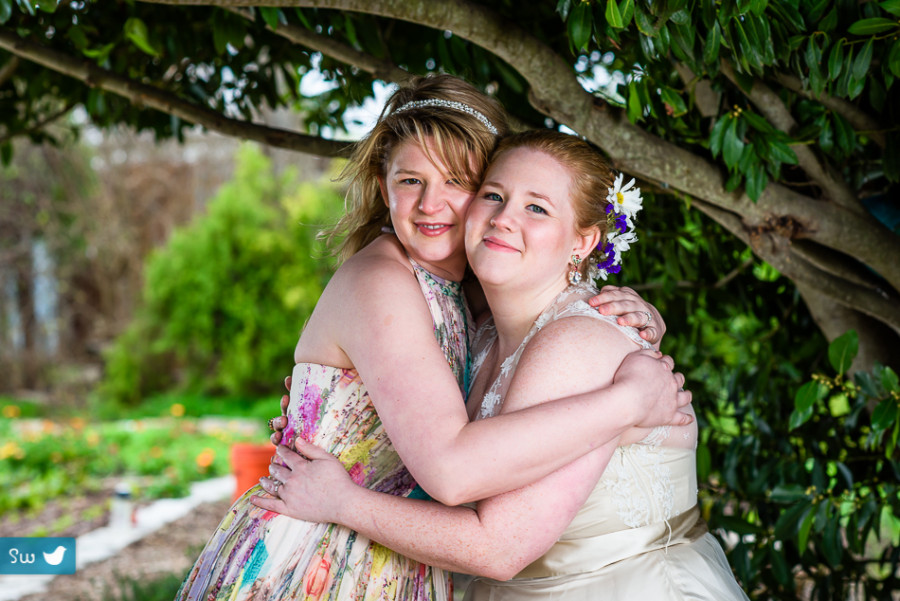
(624, 204)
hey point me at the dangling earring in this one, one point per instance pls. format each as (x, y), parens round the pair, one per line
(574, 274)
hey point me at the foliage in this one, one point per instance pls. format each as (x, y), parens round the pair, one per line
(42, 460)
(777, 119)
(226, 297)
(811, 502)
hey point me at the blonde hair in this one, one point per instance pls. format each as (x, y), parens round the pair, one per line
(591, 174)
(461, 142)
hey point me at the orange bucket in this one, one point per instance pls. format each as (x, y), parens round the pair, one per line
(249, 463)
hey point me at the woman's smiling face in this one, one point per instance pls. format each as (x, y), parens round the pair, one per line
(520, 229)
(427, 209)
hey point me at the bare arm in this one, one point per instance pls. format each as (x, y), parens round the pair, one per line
(502, 534)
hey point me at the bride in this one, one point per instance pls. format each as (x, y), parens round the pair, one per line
(620, 523)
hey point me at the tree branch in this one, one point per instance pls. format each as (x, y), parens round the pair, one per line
(7, 70)
(857, 118)
(556, 92)
(38, 125)
(145, 95)
(770, 105)
(779, 253)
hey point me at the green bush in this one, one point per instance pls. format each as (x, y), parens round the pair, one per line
(226, 297)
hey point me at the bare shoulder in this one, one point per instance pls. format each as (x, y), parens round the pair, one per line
(566, 357)
(374, 288)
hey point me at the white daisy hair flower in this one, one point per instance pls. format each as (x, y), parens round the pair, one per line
(624, 203)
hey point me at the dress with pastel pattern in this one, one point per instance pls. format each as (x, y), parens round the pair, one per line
(261, 555)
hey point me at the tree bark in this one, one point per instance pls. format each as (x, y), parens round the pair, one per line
(876, 344)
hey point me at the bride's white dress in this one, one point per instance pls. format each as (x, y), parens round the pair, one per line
(639, 535)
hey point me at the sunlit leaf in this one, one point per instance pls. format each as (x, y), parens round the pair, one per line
(891, 6)
(136, 31)
(613, 16)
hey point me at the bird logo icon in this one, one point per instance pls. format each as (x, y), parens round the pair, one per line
(55, 558)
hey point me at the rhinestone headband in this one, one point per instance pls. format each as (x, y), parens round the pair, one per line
(450, 104)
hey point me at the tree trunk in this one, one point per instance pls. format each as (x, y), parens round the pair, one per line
(877, 343)
(24, 274)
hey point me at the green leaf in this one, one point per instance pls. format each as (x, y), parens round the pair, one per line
(789, 520)
(787, 493)
(757, 122)
(627, 10)
(885, 415)
(862, 62)
(782, 152)
(732, 145)
(893, 58)
(830, 21)
(758, 7)
(889, 380)
(674, 102)
(136, 31)
(270, 15)
(711, 47)
(613, 16)
(891, 6)
(844, 136)
(836, 59)
(804, 403)
(717, 135)
(805, 528)
(580, 24)
(644, 22)
(99, 54)
(5, 11)
(756, 181)
(635, 108)
(871, 26)
(843, 350)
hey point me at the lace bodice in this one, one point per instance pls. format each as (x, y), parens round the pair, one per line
(571, 302)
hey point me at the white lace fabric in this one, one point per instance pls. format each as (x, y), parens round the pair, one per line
(634, 467)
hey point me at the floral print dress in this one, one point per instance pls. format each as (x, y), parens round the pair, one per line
(262, 555)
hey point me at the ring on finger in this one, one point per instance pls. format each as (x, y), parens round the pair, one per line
(649, 319)
(276, 484)
(271, 423)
